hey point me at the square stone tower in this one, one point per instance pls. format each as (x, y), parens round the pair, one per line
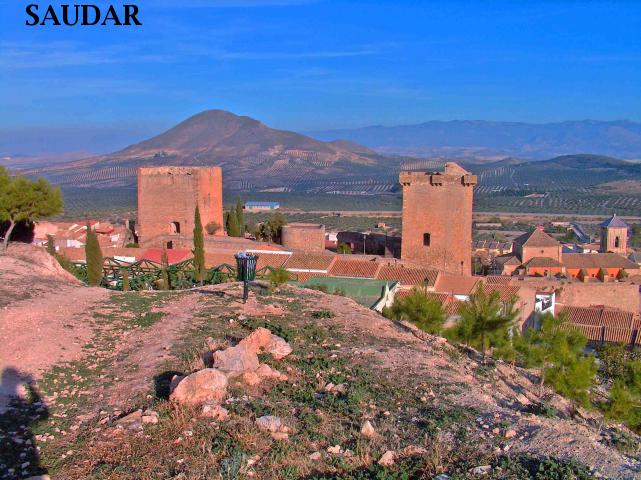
(167, 198)
(437, 219)
(614, 236)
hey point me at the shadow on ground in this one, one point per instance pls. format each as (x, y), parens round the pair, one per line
(21, 408)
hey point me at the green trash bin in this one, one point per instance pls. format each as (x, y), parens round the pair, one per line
(246, 270)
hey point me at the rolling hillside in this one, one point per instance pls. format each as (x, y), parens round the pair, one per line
(465, 139)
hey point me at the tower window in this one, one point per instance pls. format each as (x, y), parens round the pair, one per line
(174, 228)
(617, 242)
(426, 239)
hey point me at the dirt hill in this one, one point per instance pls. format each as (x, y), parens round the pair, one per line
(246, 149)
(433, 409)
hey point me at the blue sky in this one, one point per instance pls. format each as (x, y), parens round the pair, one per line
(305, 65)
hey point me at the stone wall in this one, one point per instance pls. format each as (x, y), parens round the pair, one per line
(621, 295)
(437, 219)
(303, 237)
(167, 198)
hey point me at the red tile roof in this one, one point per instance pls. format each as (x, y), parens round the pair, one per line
(536, 238)
(597, 260)
(498, 279)
(304, 276)
(173, 255)
(456, 284)
(593, 333)
(599, 316)
(344, 267)
(216, 259)
(407, 275)
(542, 262)
(619, 335)
(506, 292)
(310, 261)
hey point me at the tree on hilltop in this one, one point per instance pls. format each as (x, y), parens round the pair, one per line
(22, 199)
(486, 320)
(423, 311)
(559, 353)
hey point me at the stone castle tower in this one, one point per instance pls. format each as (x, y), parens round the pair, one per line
(437, 219)
(614, 236)
(167, 198)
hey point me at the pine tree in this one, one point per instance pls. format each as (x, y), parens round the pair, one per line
(240, 217)
(24, 200)
(559, 353)
(94, 259)
(485, 320)
(423, 311)
(199, 247)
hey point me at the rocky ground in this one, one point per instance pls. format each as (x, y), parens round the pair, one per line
(357, 397)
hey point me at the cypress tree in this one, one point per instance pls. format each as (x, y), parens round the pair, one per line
(233, 230)
(164, 261)
(93, 254)
(125, 280)
(240, 218)
(51, 245)
(199, 247)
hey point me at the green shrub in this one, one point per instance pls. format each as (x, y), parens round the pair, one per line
(344, 249)
(423, 311)
(278, 277)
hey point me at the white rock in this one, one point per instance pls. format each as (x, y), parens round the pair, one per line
(387, 459)
(367, 430)
(205, 385)
(269, 423)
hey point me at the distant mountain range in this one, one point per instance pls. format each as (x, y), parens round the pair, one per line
(494, 140)
(250, 153)
(257, 158)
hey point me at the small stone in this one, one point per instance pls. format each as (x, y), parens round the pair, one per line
(133, 417)
(282, 436)
(278, 347)
(481, 470)
(387, 459)
(412, 450)
(251, 378)
(336, 449)
(269, 423)
(367, 430)
(316, 456)
(214, 411)
(149, 416)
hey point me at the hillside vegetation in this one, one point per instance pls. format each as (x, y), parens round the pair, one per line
(361, 397)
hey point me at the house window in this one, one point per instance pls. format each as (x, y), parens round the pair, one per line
(174, 228)
(426, 239)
